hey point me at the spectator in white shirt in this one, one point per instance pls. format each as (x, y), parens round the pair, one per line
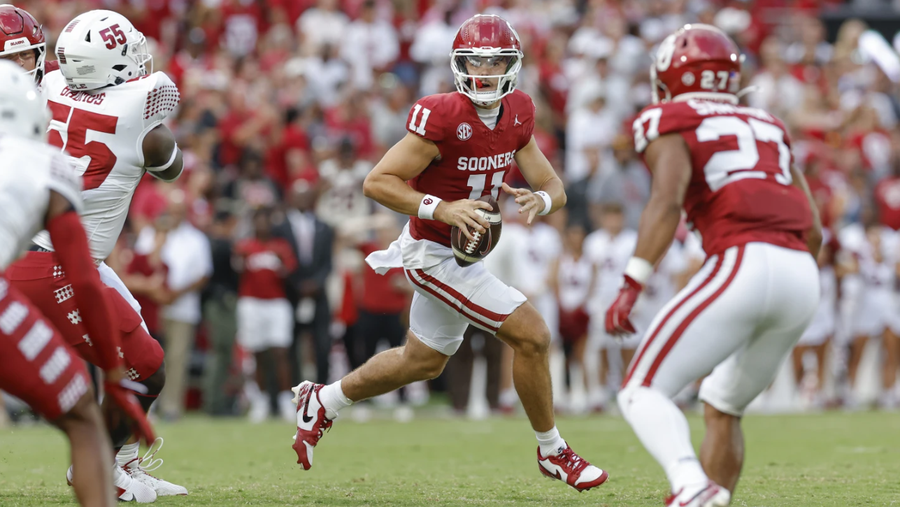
(369, 44)
(431, 48)
(188, 257)
(342, 200)
(589, 127)
(323, 25)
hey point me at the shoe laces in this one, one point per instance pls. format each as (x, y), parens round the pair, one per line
(571, 461)
(324, 426)
(147, 463)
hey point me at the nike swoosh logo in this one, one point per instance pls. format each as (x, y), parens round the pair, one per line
(306, 418)
(702, 491)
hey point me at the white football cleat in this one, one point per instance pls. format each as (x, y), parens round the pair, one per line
(130, 490)
(571, 469)
(711, 495)
(311, 422)
(127, 489)
(139, 469)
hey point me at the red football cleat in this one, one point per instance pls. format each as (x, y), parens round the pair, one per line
(311, 422)
(571, 468)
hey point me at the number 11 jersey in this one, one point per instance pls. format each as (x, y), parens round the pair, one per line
(740, 189)
(103, 132)
(473, 158)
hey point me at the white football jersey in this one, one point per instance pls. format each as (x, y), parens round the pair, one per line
(29, 170)
(610, 255)
(103, 133)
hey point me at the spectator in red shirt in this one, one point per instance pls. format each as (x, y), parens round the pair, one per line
(264, 317)
(887, 197)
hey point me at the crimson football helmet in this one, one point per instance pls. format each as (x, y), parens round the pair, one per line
(486, 40)
(697, 62)
(19, 31)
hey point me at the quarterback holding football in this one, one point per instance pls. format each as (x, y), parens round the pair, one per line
(458, 148)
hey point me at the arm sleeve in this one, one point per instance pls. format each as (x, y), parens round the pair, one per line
(71, 244)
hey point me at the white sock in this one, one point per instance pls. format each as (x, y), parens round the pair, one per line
(127, 453)
(550, 441)
(333, 399)
(663, 430)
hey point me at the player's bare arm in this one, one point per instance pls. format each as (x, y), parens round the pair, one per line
(387, 185)
(670, 163)
(542, 178)
(162, 156)
(814, 235)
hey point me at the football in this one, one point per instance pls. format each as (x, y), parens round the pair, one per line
(468, 251)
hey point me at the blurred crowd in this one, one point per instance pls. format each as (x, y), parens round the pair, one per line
(286, 105)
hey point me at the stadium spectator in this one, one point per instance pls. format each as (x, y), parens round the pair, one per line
(265, 320)
(219, 312)
(186, 253)
(312, 241)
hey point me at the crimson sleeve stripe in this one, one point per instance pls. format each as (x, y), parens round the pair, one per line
(646, 345)
(690, 318)
(484, 312)
(461, 307)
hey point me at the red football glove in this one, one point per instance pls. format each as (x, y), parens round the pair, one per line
(122, 394)
(617, 317)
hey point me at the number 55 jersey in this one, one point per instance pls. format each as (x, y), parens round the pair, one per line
(741, 186)
(103, 132)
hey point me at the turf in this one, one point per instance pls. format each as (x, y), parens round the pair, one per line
(810, 460)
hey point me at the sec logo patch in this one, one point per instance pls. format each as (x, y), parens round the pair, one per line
(464, 131)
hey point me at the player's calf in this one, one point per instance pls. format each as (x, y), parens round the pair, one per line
(83, 425)
(722, 451)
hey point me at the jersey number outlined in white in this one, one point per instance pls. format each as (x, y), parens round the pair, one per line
(420, 129)
(477, 181)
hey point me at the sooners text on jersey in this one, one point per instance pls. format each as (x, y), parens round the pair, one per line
(103, 133)
(740, 189)
(474, 159)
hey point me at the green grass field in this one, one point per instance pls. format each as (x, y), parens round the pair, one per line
(809, 460)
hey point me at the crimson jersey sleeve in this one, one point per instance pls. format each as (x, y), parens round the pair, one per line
(427, 118)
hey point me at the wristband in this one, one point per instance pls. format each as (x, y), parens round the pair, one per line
(548, 203)
(427, 206)
(639, 270)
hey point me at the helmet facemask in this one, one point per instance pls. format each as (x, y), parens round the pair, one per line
(472, 85)
(139, 53)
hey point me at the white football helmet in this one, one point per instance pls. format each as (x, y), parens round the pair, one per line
(101, 48)
(23, 113)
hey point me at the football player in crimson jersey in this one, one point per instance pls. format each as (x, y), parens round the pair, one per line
(458, 148)
(22, 41)
(35, 362)
(730, 169)
(107, 109)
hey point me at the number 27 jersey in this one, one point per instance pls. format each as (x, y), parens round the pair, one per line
(103, 133)
(741, 186)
